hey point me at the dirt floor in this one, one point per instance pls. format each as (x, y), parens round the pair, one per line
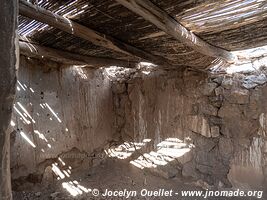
(113, 175)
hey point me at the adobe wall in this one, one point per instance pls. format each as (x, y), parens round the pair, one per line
(70, 115)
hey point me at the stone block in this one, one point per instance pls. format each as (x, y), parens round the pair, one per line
(208, 88)
(254, 80)
(226, 148)
(238, 96)
(199, 124)
(215, 131)
(219, 91)
(227, 83)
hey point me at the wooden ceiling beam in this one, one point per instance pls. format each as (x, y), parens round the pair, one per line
(165, 22)
(45, 16)
(34, 50)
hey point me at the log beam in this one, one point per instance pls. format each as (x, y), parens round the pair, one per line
(34, 50)
(165, 22)
(42, 15)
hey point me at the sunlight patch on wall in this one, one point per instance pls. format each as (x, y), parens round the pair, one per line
(77, 70)
(115, 72)
(53, 112)
(249, 60)
(27, 139)
(12, 123)
(22, 117)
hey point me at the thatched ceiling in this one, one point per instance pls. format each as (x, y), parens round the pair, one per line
(229, 24)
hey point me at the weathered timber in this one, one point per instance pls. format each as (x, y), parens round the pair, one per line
(45, 16)
(8, 61)
(162, 20)
(34, 50)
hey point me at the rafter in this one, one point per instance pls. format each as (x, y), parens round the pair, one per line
(40, 14)
(34, 50)
(162, 20)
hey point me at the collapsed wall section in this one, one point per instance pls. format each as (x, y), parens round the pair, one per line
(62, 117)
(213, 126)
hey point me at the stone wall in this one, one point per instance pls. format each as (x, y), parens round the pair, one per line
(61, 112)
(222, 119)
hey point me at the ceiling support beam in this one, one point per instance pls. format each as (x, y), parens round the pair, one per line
(165, 22)
(45, 16)
(34, 50)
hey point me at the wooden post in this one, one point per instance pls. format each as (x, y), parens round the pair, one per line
(8, 25)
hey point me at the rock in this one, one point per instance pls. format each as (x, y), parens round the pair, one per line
(221, 185)
(205, 169)
(55, 195)
(249, 85)
(265, 148)
(205, 160)
(38, 194)
(218, 80)
(119, 88)
(216, 100)
(228, 110)
(186, 157)
(219, 91)
(48, 176)
(195, 109)
(215, 120)
(254, 80)
(208, 88)
(189, 170)
(199, 124)
(244, 142)
(166, 171)
(202, 184)
(226, 148)
(238, 96)
(208, 109)
(265, 173)
(215, 131)
(204, 144)
(227, 83)
(65, 198)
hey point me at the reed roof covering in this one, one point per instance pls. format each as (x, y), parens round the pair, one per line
(229, 24)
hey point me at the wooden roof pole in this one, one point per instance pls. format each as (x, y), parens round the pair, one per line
(34, 50)
(40, 14)
(162, 20)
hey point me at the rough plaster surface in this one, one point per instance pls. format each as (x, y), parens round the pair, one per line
(8, 18)
(225, 122)
(221, 118)
(82, 102)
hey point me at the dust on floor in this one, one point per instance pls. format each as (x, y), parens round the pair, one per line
(113, 175)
